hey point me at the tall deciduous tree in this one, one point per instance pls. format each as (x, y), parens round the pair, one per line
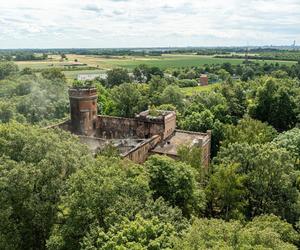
(101, 195)
(7, 69)
(128, 100)
(275, 104)
(108, 205)
(250, 131)
(34, 166)
(176, 183)
(172, 95)
(290, 140)
(117, 76)
(140, 233)
(226, 192)
(270, 178)
(264, 232)
(54, 74)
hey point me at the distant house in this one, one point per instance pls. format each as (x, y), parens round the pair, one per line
(203, 80)
(90, 77)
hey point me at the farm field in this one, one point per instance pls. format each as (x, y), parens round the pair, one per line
(52, 61)
(164, 61)
(99, 64)
(189, 91)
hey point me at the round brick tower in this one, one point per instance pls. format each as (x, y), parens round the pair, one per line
(83, 105)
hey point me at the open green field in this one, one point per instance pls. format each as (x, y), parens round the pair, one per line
(129, 62)
(189, 91)
(163, 62)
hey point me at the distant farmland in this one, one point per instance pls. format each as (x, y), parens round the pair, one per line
(100, 63)
(163, 62)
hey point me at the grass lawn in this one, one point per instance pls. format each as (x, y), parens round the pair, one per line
(189, 91)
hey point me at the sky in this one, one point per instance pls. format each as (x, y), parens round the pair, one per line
(152, 23)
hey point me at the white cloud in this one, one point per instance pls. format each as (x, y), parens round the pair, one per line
(130, 23)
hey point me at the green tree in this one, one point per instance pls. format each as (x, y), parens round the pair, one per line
(100, 195)
(7, 69)
(6, 111)
(250, 131)
(183, 83)
(27, 71)
(141, 73)
(214, 102)
(228, 67)
(7, 88)
(236, 99)
(224, 75)
(169, 107)
(137, 234)
(191, 156)
(290, 140)
(270, 178)
(264, 232)
(155, 71)
(200, 122)
(144, 73)
(275, 104)
(105, 102)
(226, 192)
(53, 75)
(111, 200)
(280, 74)
(117, 76)
(172, 95)
(248, 73)
(34, 165)
(156, 87)
(176, 183)
(127, 99)
(47, 100)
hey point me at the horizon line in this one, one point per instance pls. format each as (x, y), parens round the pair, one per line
(155, 47)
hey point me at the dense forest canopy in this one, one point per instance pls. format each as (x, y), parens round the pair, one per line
(55, 195)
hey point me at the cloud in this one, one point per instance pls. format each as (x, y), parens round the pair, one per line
(118, 12)
(186, 8)
(142, 23)
(93, 8)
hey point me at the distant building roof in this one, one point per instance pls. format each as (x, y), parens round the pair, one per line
(85, 77)
(170, 147)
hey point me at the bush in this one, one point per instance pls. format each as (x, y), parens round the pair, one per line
(187, 83)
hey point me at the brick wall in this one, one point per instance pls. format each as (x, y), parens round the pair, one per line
(118, 127)
(141, 153)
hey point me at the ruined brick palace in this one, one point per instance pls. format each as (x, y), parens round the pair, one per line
(135, 138)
